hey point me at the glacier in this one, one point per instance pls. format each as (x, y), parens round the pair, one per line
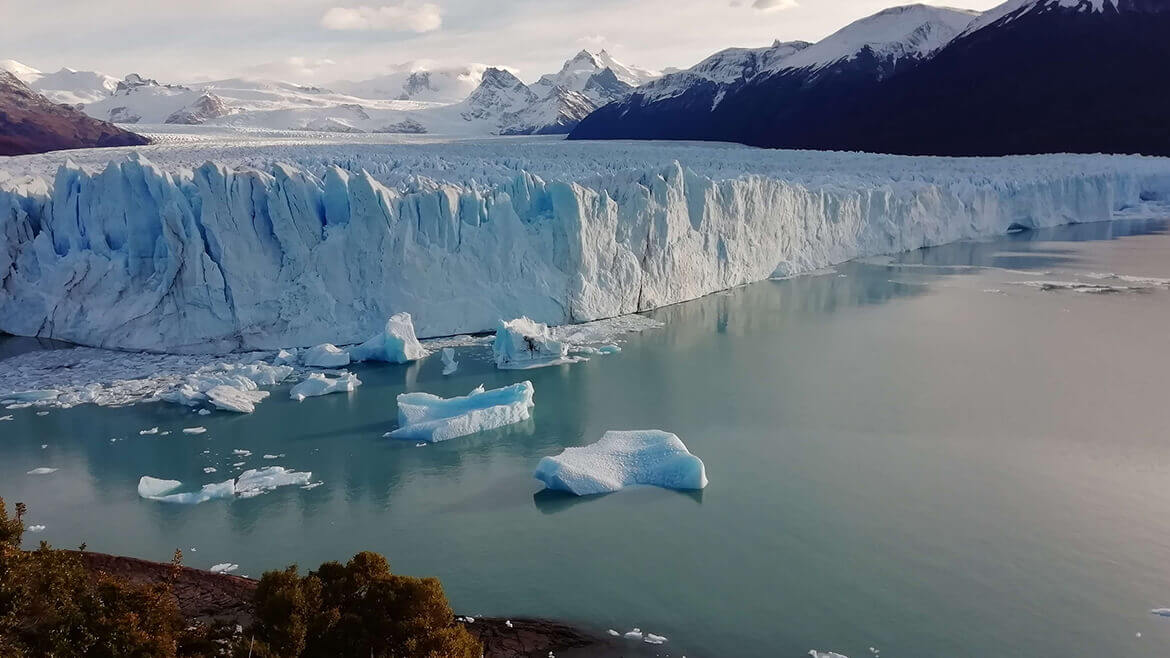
(298, 245)
(430, 418)
(621, 459)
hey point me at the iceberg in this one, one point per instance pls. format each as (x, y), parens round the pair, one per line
(317, 384)
(522, 343)
(396, 344)
(326, 355)
(32, 396)
(44, 470)
(621, 459)
(230, 398)
(249, 483)
(450, 365)
(280, 246)
(430, 418)
(225, 567)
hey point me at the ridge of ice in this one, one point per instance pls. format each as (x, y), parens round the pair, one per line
(430, 418)
(325, 355)
(624, 458)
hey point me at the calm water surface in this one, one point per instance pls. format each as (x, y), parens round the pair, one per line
(922, 457)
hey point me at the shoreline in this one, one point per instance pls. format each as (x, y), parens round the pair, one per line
(209, 597)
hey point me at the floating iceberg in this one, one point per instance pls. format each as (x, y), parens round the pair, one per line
(317, 384)
(450, 365)
(230, 398)
(621, 459)
(231, 387)
(31, 396)
(250, 483)
(396, 344)
(325, 356)
(426, 417)
(35, 528)
(226, 567)
(194, 430)
(522, 343)
(43, 471)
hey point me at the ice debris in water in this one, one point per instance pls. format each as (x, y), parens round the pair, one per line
(522, 343)
(207, 412)
(153, 430)
(825, 654)
(226, 567)
(250, 483)
(210, 469)
(289, 357)
(326, 355)
(1161, 612)
(231, 387)
(31, 396)
(621, 459)
(427, 417)
(42, 471)
(194, 430)
(450, 365)
(242, 453)
(396, 344)
(42, 413)
(35, 528)
(651, 638)
(635, 634)
(8, 417)
(614, 633)
(317, 384)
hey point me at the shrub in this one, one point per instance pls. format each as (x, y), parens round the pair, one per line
(357, 609)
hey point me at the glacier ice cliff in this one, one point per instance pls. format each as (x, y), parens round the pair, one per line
(218, 258)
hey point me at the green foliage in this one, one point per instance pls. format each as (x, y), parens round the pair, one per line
(356, 609)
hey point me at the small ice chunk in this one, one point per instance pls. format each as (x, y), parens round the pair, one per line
(396, 344)
(42, 471)
(1161, 612)
(508, 623)
(204, 412)
(426, 417)
(651, 638)
(35, 528)
(230, 398)
(614, 633)
(44, 445)
(242, 453)
(226, 567)
(450, 365)
(522, 343)
(8, 417)
(621, 459)
(209, 469)
(150, 487)
(609, 349)
(287, 357)
(213, 491)
(825, 654)
(164, 433)
(270, 456)
(194, 430)
(260, 480)
(635, 634)
(238, 464)
(153, 430)
(317, 384)
(326, 355)
(312, 485)
(42, 413)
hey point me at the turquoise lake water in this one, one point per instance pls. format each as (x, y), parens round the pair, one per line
(925, 457)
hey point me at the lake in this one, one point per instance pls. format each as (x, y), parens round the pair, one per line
(933, 454)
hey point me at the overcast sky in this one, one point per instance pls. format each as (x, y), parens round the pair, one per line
(321, 40)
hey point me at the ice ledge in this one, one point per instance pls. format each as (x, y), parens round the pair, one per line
(216, 259)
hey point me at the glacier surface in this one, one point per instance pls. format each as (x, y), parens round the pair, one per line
(212, 247)
(621, 459)
(430, 418)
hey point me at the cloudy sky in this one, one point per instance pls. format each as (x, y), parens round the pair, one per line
(321, 40)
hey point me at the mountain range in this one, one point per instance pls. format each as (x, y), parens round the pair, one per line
(467, 100)
(31, 123)
(1030, 76)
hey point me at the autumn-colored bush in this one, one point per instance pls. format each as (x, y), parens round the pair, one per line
(51, 605)
(356, 609)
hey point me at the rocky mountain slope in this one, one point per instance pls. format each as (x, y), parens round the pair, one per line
(31, 123)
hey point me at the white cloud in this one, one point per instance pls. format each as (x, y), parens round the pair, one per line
(406, 16)
(773, 5)
(291, 68)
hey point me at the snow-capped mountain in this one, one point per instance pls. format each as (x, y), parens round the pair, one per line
(465, 100)
(598, 76)
(65, 86)
(686, 105)
(1027, 76)
(32, 123)
(438, 85)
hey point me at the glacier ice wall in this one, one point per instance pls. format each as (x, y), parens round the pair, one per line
(215, 258)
